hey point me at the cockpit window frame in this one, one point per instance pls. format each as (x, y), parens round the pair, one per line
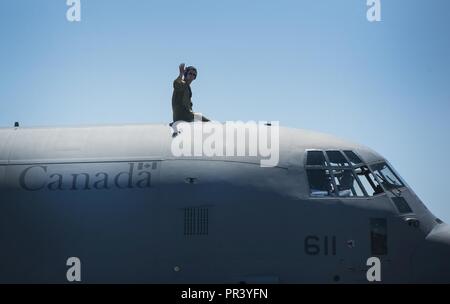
(348, 158)
(317, 166)
(334, 195)
(342, 154)
(390, 168)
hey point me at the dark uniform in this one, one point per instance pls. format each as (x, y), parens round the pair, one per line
(181, 101)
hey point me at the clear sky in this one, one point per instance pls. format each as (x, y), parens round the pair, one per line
(312, 64)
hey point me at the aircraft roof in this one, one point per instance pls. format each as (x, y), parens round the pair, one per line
(143, 142)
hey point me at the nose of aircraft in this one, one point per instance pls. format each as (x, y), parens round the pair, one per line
(431, 260)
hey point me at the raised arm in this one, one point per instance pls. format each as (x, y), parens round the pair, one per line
(179, 84)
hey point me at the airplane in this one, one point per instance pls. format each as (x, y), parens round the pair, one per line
(116, 199)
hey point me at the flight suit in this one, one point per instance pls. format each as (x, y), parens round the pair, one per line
(181, 101)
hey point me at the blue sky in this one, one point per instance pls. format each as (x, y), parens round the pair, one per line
(312, 64)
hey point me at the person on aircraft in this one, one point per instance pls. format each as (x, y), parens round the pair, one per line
(182, 95)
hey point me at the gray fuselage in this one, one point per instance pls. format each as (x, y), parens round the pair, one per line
(116, 198)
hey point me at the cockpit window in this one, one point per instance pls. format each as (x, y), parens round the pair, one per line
(354, 159)
(320, 183)
(335, 173)
(386, 176)
(337, 159)
(346, 183)
(316, 158)
(370, 184)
